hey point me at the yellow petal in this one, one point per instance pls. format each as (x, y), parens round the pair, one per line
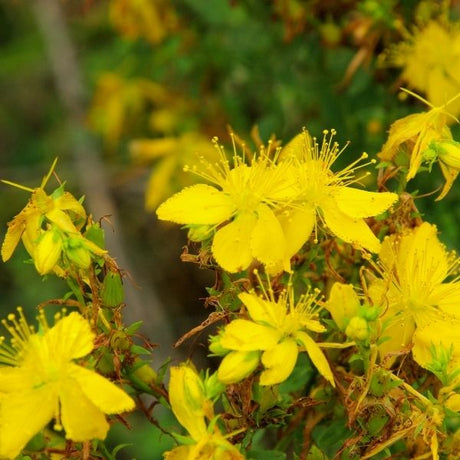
(199, 204)
(279, 362)
(316, 355)
(263, 311)
(267, 239)
(349, 229)
(67, 202)
(104, 394)
(397, 333)
(231, 245)
(437, 333)
(71, 337)
(343, 304)
(361, 203)
(237, 365)
(22, 415)
(61, 220)
(81, 419)
(187, 398)
(450, 174)
(297, 225)
(246, 335)
(421, 257)
(12, 237)
(447, 297)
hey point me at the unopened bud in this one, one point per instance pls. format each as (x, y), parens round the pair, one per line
(48, 251)
(357, 328)
(448, 152)
(112, 292)
(199, 233)
(237, 365)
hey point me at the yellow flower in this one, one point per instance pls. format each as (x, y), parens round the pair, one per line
(190, 405)
(150, 19)
(118, 102)
(420, 305)
(430, 59)
(60, 208)
(416, 134)
(277, 329)
(323, 194)
(242, 210)
(39, 381)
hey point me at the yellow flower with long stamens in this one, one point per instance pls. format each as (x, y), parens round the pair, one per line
(425, 137)
(327, 195)
(277, 330)
(191, 407)
(56, 208)
(39, 381)
(420, 303)
(241, 209)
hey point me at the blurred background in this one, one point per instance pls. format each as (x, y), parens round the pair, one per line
(126, 92)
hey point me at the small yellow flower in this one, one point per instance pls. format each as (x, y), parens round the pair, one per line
(324, 194)
(430, 59)
(60, 208)
(420, 304)
(39, 381)
(191, 406)
(241, 209)
(416, 134)
(278, 330)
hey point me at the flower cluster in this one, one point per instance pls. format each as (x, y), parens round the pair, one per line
(265, 210)
(50, 227)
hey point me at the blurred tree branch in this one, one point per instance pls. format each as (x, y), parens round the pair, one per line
(89, 168)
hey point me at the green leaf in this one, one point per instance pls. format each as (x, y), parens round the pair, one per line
(266, 455)
(134, 327)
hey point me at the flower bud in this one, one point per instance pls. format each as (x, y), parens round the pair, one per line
(343, 304)
(112, 292)
(48, 251)
(237, 365)
(143, 373)
(213, 386)
(198, 233)
(215, 345)
(448, 152)
(357, 328)
(77, 253)
(188, 400)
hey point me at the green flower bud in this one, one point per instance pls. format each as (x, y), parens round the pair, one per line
(77, 253)
(357, 329)
(215, 346)
(48, 251)
(448, 152)
(112, 292)
(199, 233)
(143, 373)
(213, 387)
